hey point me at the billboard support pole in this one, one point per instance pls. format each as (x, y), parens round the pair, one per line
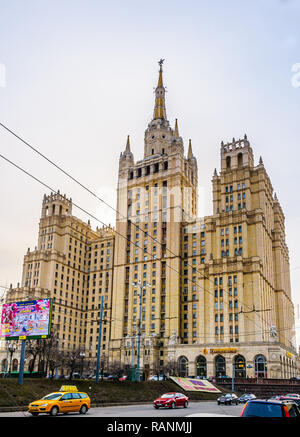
(6, 362)
(22, 362)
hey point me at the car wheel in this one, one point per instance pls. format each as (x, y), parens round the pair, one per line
(219, 403)
(83, 409)
(54, 411)
(156, 407)
(172, 405)
(185, 404)
(34, 414)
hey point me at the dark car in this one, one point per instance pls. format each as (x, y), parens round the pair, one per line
(262, 408)
(246, 397)
(113, 378)
(171, 400)
(228, 399)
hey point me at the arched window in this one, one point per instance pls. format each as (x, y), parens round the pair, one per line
(41, 366)
(239, 367)
(201, 367)
(228, 162)
(15, 365)
(220, 366)
(4, 365)
(240, 160)
(260, 364)
(30, 366)
(183, 366)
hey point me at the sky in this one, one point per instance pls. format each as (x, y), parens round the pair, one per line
(77, 77)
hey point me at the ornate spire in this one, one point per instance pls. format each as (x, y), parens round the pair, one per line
(160, 108)
(176, 133)
(190, 153)
(127, 149)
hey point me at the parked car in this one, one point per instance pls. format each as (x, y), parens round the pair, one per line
(113, 378)
(246, 397)
(74, 376)
(292, 395)
(123, 378)
(171, 400)
(267, 408)
(228, 399)
(287, 398)
(156, 378)
(197, 377)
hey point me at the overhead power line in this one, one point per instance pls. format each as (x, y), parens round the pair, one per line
(107, 204)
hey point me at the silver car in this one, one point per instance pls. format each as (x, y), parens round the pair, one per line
(247, 397)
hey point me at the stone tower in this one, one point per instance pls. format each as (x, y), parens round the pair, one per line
(155, 195)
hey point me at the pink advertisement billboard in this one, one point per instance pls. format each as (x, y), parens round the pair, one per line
(30, 319)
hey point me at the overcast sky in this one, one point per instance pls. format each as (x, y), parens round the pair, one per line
(77, 77)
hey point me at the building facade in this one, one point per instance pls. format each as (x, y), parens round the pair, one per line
(209, 295)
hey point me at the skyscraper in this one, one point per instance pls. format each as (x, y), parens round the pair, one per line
(204, 295)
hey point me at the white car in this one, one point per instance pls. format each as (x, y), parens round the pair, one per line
(156, 378)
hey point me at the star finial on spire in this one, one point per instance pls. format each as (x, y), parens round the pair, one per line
(159, 108)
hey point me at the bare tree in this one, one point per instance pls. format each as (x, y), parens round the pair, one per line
(33, 351)
(116, 368)
(156, 367)
(71, 360)
(171, 367)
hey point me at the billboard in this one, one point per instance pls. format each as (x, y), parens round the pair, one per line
(190, 384)
(28, 319)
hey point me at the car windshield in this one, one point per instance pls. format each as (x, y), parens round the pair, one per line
(228, 396)
(168, 396)
(262, 410)
(52, 396)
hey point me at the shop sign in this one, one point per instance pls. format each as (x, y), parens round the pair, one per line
(231, 350)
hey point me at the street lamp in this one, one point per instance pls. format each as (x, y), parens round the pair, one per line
(103, 364)
(142, 288)
(82, 355)
(12, 347)
(56, 356)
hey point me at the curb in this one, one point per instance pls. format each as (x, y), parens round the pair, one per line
(108, 404)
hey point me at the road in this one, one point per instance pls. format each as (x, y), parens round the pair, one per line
(146, 410)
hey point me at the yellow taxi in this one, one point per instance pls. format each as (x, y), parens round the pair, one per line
(68, 399)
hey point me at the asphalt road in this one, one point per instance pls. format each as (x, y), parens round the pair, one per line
(206, 409)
